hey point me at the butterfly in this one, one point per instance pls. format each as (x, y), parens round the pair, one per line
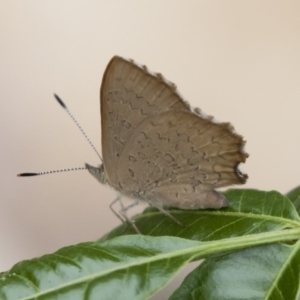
(157, 149)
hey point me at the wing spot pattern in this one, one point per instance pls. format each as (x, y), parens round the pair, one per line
(132, 158)
(131, 173)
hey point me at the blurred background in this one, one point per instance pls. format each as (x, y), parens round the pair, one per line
(237, 60)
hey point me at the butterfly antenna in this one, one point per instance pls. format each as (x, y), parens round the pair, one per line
(78, 125)
(50, 172)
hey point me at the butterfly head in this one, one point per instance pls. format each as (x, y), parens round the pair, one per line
(97, 172)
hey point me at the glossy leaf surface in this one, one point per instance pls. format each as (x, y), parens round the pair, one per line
(130, 267)
(136, 266)
(260, 273)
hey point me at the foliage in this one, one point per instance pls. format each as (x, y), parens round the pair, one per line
(251, 251)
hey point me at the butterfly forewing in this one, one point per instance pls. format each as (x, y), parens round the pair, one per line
(129, 94)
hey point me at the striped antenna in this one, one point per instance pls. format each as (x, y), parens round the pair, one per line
(84, 134)
(50, 172)
(77, 124)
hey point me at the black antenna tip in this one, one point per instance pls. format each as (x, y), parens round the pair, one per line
(27, 174)
(60, 101)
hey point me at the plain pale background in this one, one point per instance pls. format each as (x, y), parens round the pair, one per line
(237, 60)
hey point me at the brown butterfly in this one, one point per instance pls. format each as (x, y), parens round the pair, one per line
(157, 148)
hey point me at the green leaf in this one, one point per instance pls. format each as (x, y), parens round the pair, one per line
(260, 273)
(111, 270)
(128, 267)
(250, 211)
(135, 266)
(294, 196)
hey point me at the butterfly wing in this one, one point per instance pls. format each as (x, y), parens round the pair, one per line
(156, 148)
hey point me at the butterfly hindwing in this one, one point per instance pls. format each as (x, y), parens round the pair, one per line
(168, 153)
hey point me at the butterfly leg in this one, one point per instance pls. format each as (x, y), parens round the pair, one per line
(166, 213)
(118, 199)
(123, 212)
